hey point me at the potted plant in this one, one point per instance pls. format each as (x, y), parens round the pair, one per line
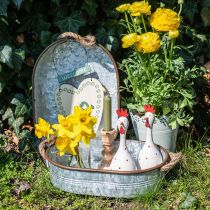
(156, 73)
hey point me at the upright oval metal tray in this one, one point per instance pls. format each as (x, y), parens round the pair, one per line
(64, 62)
(99, 182)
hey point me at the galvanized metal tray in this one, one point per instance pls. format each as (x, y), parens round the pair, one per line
(99, 182)
(70, 60)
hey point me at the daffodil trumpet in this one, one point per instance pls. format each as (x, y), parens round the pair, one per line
(69, 132)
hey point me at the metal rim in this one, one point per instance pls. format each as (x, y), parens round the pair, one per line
(166, 159)
(60, 41)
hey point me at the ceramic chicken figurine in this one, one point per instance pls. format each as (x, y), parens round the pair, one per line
(150, 154)
(122, 160)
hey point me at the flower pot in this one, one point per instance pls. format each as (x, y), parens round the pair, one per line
(163, 135)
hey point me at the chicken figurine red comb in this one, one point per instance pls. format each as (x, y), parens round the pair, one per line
(122, 112)
(149, 108)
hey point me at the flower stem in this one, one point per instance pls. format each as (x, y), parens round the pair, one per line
(180, 9)
(128, 24)
(171, 52)
(134, 25)
(145, 28)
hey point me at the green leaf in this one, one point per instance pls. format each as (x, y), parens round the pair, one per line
(180, 121)
(189, 202)
(166, 110)
(3, 7)
(17, 3)
(205, 15)
(8, 114)
(173, 124)
(15, 124)
(45, 38)
(6, 55)
(34, 22)
(90, 7)
(57, 2)
(18, 58)
(21, 108)
(71, 23)
(2, 85)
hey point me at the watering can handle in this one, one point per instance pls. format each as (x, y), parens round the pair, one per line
(174, 159)
(87, 41)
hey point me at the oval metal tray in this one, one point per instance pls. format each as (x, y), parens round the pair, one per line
(99, 182)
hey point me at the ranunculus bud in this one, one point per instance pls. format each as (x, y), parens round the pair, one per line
(180, 1)
(173, 34)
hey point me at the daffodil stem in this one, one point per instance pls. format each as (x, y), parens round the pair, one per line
(128, 24)
(79, 159)
(145, 28)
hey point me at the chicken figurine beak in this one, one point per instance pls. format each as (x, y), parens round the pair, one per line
(147, 122)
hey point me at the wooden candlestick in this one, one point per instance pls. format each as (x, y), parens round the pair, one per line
(108, 148)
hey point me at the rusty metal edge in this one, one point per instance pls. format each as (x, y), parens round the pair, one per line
(165, 161)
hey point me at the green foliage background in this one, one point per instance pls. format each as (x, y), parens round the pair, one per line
(28, 26)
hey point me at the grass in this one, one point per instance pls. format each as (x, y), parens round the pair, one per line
(185, 187)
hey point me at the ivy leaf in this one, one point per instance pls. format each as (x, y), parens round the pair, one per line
(18, 58)
(205, 15)
(90, 7)
(70, 23)
(2, 85)
(45, 38)
(21, 108)
(17, 3)
(8, 114)
(35, 22)
(57, 2)
(3, 7)
(6, 55)
(16, 123)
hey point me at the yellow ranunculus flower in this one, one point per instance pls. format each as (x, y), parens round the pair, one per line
(141, 7)
(123, 8)
(165, 20)
(128, 40)
(148, 42)
(42, 129)
(173, 34)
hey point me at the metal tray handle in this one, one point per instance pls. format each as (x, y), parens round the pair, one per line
(87, 41)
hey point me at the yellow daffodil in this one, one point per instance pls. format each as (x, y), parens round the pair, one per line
(148, 42)
(141, 7)
(165, 20)
(173, 34)
(83, 116)
(42, 129)
(83, 123)
(66, 145)
(128, 40)
(64, 127)
(123, 8)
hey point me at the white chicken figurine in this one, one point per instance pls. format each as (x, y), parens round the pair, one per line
(122, 160)
(149, 155)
